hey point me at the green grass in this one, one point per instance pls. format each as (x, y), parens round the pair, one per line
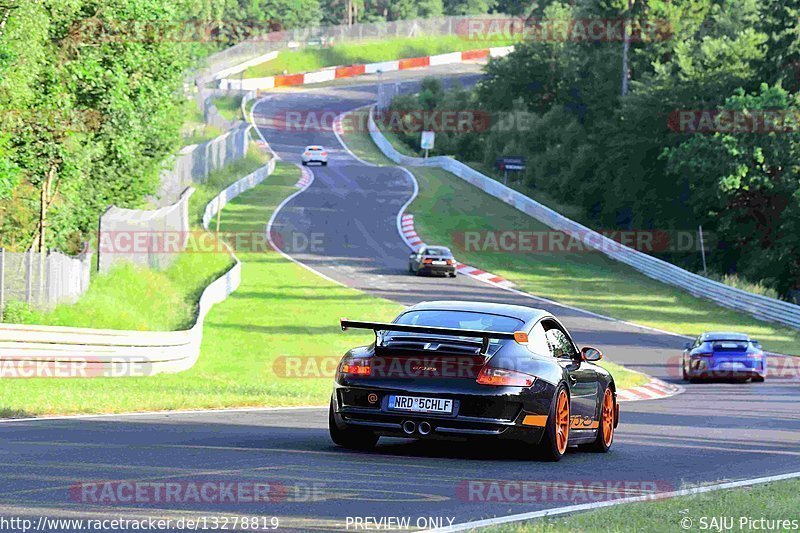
(194, 130)
(773, 501)
(308, 59)
(448, 206)
(280, 309)
(230, 107)
(135, 298)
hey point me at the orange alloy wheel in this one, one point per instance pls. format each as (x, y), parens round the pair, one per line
(562, 422)
(608, 418)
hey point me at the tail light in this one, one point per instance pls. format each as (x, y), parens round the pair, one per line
(324, 153)
(427, 261)
(503, 377)
(306, 153)
(356, 367)
(451, 262)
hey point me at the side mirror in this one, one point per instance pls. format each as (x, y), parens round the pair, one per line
(687, 346)
(591, 354)
(756, 343)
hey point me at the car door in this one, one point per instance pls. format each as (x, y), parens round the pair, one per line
(582, 381)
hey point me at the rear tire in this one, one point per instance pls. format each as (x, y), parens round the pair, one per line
(605, 429)
(324, 163)
(453, 275)
(758, 379)
(683, 371)
(305, 164)
(355, 439)
(556, 436)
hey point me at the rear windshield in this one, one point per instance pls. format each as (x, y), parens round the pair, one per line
(729, 345)
(314, 149)
(443, 252)
(461, 320)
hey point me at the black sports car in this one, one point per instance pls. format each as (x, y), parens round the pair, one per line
(461, 370)
(432, 260)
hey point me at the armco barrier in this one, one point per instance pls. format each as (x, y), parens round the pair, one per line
(244, 184)
(33, 350)
(761, 307)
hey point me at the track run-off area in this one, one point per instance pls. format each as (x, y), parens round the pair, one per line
(709, 433)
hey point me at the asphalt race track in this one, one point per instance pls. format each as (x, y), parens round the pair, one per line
(709, 433)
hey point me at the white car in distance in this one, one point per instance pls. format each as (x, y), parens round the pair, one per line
(315, 154)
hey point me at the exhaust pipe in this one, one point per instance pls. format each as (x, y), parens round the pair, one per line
(424, 428)
(409, 427)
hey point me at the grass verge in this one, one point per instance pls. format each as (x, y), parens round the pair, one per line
(773, 502)
(230, 107)
(220, 179)
(447, 207)
(244, 337)
(308, 59)
(194, 129)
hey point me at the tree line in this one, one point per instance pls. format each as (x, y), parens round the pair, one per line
(91, 92)
(705, 134)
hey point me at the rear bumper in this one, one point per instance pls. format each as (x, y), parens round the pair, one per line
(474, 415)
(726, 369)
(438, 269)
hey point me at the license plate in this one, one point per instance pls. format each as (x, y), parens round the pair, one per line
(440, 262)
(729, 365)
(416, 404)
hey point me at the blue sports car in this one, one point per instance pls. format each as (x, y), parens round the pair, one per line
(725, 355)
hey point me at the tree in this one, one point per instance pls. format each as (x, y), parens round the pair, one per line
(468, 7)
(745, 183)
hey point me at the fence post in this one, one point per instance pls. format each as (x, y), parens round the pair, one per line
(28, 275)
(41, 299)
(2, 282)
(51, 271)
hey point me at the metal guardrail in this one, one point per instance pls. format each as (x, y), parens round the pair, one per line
(117, 353)
(761, 307)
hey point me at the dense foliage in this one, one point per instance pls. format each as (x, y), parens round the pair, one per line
(631, 161)
(91, 91)
(90, 102)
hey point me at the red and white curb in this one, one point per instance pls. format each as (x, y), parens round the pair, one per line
(349, 71)
(653, 390)
(415, 242)
(305, 179)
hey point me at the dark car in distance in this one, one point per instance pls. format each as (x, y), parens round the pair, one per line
(432, 260)
(472, 370)
(723, 355)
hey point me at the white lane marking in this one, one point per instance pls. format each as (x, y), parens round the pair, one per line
(599, 505)
(286, 201)
(157, 413)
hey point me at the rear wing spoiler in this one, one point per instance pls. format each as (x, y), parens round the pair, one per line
(519, 336)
